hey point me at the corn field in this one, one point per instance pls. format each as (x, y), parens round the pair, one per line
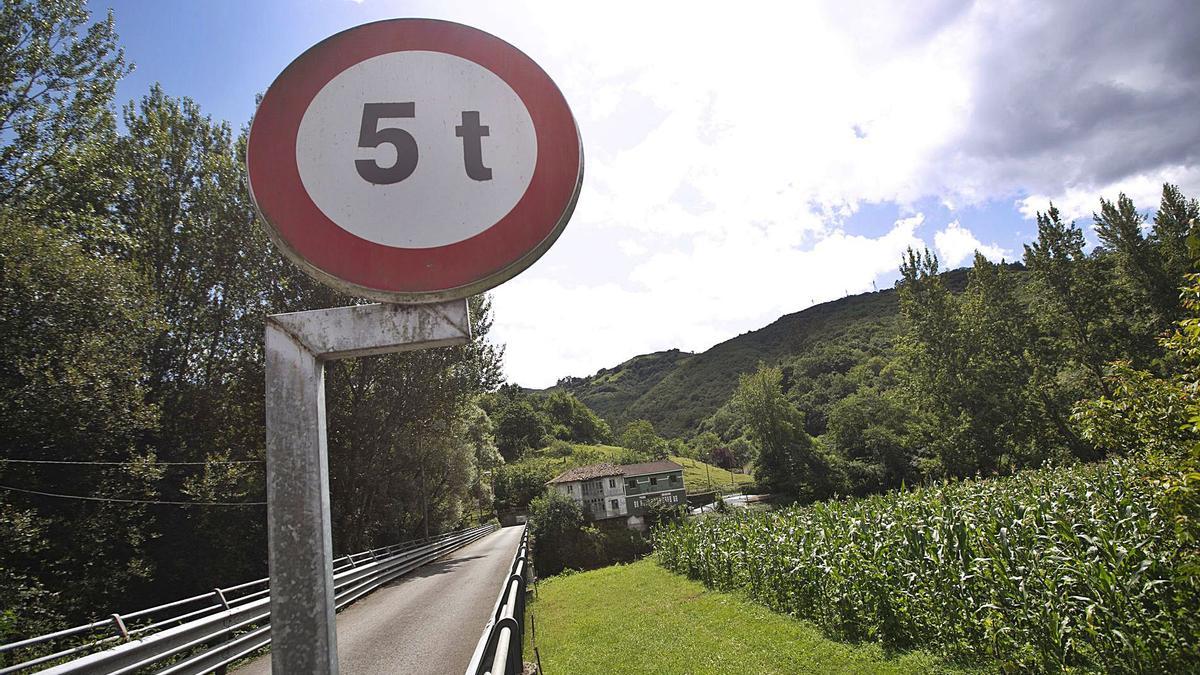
(1049, 570)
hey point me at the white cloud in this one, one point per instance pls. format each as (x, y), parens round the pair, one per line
(724, 149)
(687, 299)
(956, 245)
(1076, 202)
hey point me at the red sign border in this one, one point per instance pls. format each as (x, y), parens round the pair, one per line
(361, 267)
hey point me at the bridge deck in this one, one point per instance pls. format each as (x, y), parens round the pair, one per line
(429, 621)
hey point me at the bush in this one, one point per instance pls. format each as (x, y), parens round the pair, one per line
(562, 540)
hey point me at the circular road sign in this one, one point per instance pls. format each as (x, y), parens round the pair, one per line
(414, 160)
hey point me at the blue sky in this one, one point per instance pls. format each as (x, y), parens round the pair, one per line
(745, 164)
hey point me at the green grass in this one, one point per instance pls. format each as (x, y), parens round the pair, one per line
(640, 618)
(696, 476)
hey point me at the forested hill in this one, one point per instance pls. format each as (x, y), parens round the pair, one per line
(677, 391)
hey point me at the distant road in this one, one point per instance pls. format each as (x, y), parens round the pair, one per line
(426, 622)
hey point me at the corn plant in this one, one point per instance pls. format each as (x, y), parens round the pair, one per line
(1048, 570)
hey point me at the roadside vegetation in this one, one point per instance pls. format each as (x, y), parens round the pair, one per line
(640, 618)
(1089, 566)
(1046, 570)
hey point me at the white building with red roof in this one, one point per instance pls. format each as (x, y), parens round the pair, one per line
(608, 490)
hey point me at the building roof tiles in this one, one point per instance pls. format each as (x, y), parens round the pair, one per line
(605, 469)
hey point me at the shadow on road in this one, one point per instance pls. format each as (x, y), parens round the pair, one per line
(434, 568)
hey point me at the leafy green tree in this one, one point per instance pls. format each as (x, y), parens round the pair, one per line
(931, 362)
(1072, 306)
(639, 436)
(519, 484)
(520, 427)
(976, 370)
(1146, 291)
(57, 82)
(1005, 419)
(403, 430)
(703, 444)
(788, 460)
(73, 325)
(190, 231)
(1159, 415)
(1175, 227)
(577, 421)
(556, 527)
(870, 430)
(477, 433)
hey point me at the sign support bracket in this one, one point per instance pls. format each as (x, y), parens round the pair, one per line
(303, 631)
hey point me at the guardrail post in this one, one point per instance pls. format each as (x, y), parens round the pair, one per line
(120, 626)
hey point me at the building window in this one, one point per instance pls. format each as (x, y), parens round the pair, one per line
(616, 505)
(631, 483)
(571, 489)
(612, 482)
(654, 480)
(674, 478)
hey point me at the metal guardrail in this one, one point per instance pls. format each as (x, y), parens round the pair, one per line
(499, 649)
(207, 632)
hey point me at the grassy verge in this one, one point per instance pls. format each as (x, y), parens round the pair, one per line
(697, 474)
(640, 618)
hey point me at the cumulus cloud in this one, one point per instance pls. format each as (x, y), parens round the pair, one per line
(956, 245)
(725, 149)
(690, 299)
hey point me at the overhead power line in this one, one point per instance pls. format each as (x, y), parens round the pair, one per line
(127, 501)
(64, 461)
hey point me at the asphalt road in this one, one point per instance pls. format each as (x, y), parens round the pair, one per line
(426, 622)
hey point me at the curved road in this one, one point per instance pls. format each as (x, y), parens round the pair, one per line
(429, 620)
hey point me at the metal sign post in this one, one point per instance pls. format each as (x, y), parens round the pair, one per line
(407, 161)
(298, 528)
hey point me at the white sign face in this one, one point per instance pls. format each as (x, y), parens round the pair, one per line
(416, 149)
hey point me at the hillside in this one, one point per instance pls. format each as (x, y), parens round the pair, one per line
(676, 390)
(611, 391)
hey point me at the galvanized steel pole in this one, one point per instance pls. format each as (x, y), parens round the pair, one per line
(303, 633)
(299, 538)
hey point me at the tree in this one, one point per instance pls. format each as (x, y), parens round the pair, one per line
(1072, 305)
(702, 445)
(73, 325)
(639, 437)
(788, 460)
(723, 457)
(870, 431)
(1159, 416)
(57, 83)
(1146, 291)
(576, 420)
(190, 231)
(519, 427)
(556, 527)
(477, 434)
(519, 484)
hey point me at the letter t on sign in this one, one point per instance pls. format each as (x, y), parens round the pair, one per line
(472, 133)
